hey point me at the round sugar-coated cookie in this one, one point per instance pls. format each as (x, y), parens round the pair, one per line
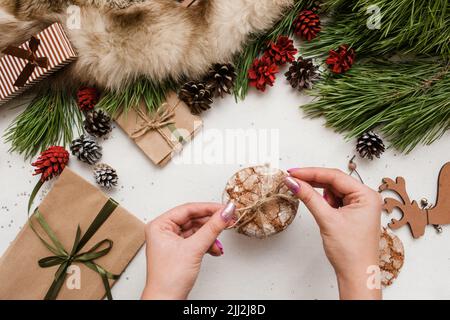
(247, 187)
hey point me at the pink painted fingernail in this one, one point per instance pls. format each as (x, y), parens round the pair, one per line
(293, 169)
(228, 212)
(292, 184)
(219, 245)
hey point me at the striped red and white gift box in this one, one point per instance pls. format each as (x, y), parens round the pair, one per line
(54, 45)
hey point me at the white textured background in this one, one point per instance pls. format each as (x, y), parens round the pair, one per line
(291, 265)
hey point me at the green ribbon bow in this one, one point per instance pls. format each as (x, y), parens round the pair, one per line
(64, 259)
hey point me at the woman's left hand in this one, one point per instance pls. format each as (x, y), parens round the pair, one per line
(176, 243)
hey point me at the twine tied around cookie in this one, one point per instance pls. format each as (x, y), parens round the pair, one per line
(254, 211)
(161, 119)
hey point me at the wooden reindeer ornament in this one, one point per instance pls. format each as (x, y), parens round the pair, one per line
(416, 217)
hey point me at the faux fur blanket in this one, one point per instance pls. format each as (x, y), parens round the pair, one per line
(121, 40)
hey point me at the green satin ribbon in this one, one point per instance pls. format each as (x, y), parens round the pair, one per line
(64, 259)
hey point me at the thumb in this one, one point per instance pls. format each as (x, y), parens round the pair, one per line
(316, 204)
(208, 233)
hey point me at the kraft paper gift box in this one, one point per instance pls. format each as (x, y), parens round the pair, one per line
(72, 202)
(23, 66)
(160, 135)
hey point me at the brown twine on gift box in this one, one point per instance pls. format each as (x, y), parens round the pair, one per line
(254, 211)
(161, 119)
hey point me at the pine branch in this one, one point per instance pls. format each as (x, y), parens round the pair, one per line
(419, 27)
(116, 102)
(48, 120)
(409, 101)
(244, 61)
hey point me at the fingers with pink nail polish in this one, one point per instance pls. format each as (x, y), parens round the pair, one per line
(292, 184)
(219, 245)
(216, 249)
(306, 193)
(349, 218)
(332, 199)
(228, 212)
(292, 170)
(211, 230)
(194, 231)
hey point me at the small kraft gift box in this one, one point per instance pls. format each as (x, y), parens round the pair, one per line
(23, 66)
(162, 133)
(76, 226)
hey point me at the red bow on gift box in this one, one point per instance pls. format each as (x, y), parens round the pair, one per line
(30, 56)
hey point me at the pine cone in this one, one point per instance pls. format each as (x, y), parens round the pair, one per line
(369, 145)
(262, 73)
(87, 98)
(97, 123)
(197, 96)
(86, 150)
(316, 7)
(302, 74)
(307, 25)
(51, 162)
(105, 176)
(220, 79)
(341, 60)
(282, 51)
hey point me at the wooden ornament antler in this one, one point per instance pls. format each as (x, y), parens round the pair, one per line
(413, 215)
(416, 217)
(440, 213)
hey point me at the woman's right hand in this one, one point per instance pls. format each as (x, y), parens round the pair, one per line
(349, 218)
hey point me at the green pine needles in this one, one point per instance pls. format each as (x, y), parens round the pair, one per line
(53, 116)
(408, 101)
(410, 26)
(50, 119)
(152, 94)
(243, 62)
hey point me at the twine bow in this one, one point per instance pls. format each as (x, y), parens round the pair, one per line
(29, 55)
(162, 118)
(254, 211)
(64, 258)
